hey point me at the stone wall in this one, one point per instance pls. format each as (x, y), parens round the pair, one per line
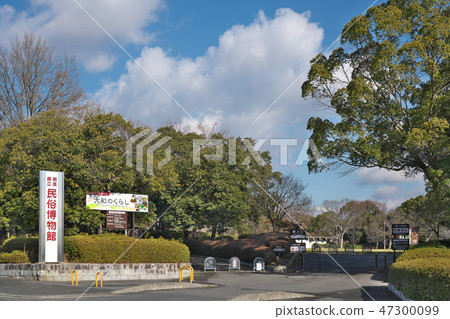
(63, 271)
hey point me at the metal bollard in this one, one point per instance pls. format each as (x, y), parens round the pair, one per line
(376, 261)
(76, 277)
(385, 266)
(96, 279)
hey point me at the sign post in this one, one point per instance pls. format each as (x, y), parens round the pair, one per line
(279, 250)
(298, 235)
(51, 217)
(116, 220)
(400, 232)
(119, 203)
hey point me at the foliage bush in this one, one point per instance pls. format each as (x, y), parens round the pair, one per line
(14, 257)
(443, 243)
(108, 248)
(425, 252)
(28, 245)
(245, 249)
(422, 279)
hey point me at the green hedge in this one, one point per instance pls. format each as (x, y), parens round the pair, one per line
(422, 278)
(29, 245)
(15, 257)
(107, 248)
(426, 253)
(443, 243)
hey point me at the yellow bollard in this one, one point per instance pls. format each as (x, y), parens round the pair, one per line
(96, 279)
(191, 273)
(76, 276)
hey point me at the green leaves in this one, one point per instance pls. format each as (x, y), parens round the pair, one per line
(88, 150)
(389, 85)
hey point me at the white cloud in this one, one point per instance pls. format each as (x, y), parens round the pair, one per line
(100, 62)
(393, 196)
(65, 25)
(238, 79)
(373, 176)
(394, 187)
(385, 192)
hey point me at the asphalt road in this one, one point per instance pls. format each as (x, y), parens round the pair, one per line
(362, 282)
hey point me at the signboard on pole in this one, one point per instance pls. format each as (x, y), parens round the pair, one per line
(117, 202)
(400, 229)
(298, 248)
(116, 220)
(400, 244)
(278, 249)
(401, 237)
(298, 234)
(51, 217)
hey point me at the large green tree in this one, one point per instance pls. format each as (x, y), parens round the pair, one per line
(88, 147)
(211, 193)
(388, 84)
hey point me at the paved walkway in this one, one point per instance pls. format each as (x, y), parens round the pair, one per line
(329, 284)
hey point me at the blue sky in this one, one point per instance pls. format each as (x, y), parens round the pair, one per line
(226, 63)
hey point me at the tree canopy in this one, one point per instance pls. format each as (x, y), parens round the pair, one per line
(89, 146)
(389, 84)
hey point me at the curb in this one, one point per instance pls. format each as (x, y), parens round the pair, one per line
(161, 286)
(398, 293)
(273, 295)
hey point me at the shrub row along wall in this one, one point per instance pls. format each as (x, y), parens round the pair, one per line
(16, 256)
(28, 245)
(245, 249)
(108, 248)
(422, 274)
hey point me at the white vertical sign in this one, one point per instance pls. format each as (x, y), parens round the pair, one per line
(51, 217)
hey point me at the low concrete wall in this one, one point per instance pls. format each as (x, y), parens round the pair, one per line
(63, 271)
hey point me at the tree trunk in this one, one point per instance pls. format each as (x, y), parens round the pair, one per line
(272, 221)
(342, 240)
(213, 232)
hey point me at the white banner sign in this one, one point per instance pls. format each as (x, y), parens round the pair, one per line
(51, 217)
(118, 202)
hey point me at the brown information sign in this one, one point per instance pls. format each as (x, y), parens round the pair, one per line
(116, 220)
(414, 239)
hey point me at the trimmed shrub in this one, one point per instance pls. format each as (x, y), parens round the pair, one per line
(28, 245)
(245, 249)
(422, 279)
(425, 252)
(15, 257)
(443, 243)
(108, 248)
